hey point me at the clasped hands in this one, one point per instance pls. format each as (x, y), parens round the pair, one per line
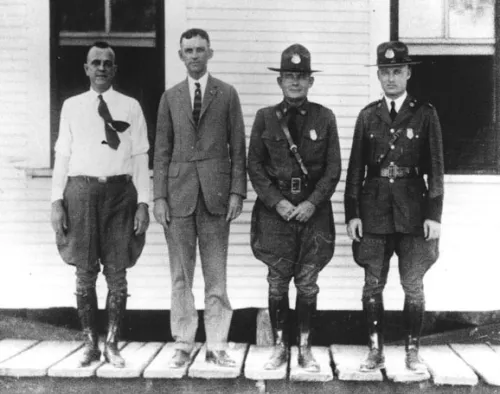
(302, 212)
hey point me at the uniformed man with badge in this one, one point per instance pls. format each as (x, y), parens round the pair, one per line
(394, 199)
(294, 165)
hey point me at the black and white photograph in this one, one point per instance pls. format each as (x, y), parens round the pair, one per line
(249, 196)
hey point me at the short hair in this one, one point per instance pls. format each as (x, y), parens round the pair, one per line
(193, 33)
(102, 45)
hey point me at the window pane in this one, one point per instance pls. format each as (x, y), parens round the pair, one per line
(461, 89)
(133, 15)
(471, 19)
(81, 15)
(420, 19)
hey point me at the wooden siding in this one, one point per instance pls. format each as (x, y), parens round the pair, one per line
(247, 39)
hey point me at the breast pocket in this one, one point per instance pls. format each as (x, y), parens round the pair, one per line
(314, 145)
(413, 140)
(277, 147)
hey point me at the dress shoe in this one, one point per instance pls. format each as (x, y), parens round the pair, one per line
(306, 360)
(220, 358)
(414, 363)
(90, 354)
(278, 358)
(180, 358)
(373, 362)
(112, 355)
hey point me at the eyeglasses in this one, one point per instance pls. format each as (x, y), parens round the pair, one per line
(295, 76)
(105, 63)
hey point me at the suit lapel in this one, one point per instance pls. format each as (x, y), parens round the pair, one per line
(185, 100)
(210, 92)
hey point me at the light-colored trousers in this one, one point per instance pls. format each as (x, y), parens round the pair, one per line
(212, 232)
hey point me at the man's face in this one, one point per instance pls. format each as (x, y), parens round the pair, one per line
(394, 80)
(100, 68)
(295, 85)
(195, 53)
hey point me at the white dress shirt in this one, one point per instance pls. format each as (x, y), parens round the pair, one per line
(192, 87)
(397, 102)
(79, 148)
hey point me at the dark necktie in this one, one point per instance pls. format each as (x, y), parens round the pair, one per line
(197, 103)
(393, 112)
(292, 124)
(111, 126)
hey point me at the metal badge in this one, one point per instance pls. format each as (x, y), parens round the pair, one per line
(409, 133)
(313, 134)
(296, 58)
(389, 54)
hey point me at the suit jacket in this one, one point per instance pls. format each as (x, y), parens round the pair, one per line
(270, 160)
(210, 157)
(402, 205)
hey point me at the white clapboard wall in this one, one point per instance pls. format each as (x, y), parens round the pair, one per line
(247, 38)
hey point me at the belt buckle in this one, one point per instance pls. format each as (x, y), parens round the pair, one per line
(101, 179)
(296, 185)
(392, 171)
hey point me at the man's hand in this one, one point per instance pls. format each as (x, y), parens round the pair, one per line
(161, 212)
(355, 229)
(141, 220)
(58, 217)
(303, 211)
(235, 206)
(285, 209)
(432, 229)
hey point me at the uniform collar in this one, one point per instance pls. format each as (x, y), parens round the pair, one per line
(302, 109)
(398, 103)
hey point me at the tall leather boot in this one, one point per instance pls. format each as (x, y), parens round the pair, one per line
(413, 319)
(86, 302)
(278, 313)
(305, 312)
(116, 303)
(373, 309)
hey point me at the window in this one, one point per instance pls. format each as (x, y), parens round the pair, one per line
(457, 50)
(447, 21)
(134, 28)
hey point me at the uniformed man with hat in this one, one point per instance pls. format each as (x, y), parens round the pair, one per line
(389, 206)
(294, 165)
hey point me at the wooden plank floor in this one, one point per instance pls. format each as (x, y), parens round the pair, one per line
(453, 364)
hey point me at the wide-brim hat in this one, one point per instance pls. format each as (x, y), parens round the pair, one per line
(295, 58)
(393, 53)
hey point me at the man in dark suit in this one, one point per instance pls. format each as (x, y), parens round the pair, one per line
(294, 165)
(388, 205)
(199, 184)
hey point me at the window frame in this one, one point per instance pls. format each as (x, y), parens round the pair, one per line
(455, 46)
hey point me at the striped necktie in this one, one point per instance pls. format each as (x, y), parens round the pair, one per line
(197, 103)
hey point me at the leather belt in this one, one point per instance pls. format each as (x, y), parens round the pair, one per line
(125, 178)
(393, 172)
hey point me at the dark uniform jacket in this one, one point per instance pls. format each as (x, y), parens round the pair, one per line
(398, 205)
(270, 160)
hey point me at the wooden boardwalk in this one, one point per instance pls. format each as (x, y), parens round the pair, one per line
(453, 364)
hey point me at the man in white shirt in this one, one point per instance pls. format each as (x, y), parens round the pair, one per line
(100, 190)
